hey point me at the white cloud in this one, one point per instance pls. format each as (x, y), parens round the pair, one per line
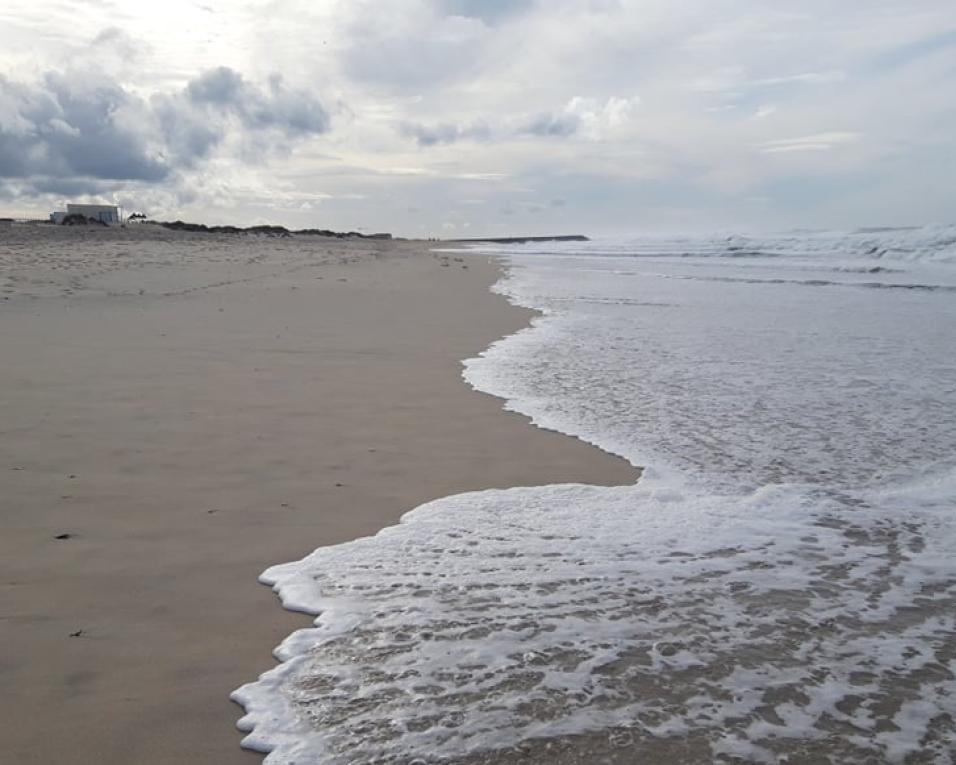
(810, 78)
(816, 142)
(600, 118)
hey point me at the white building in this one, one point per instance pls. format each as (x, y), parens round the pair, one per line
(106, 213)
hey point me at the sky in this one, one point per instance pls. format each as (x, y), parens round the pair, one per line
(457, 118)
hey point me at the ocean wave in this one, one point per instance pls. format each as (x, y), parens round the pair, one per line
(815, 282)
(488, 623)
(928, 244)
(779, 584)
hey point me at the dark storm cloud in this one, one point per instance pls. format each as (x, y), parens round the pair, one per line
(64, 135)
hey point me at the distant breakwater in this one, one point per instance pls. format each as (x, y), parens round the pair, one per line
(523, 239)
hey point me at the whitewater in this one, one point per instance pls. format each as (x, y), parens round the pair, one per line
(780, 585)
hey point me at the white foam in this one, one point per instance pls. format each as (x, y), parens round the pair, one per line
(730, 382)
(781, 581)
(489, 618)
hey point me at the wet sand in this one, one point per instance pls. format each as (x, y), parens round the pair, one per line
(191, 409)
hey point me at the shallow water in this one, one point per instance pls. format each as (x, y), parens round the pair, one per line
(780, 583)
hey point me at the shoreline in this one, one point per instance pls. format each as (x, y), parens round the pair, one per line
(253, 403)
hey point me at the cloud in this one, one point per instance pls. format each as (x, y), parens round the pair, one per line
(70, 187)
(806, 78)
(489, 11)
(420, 98)
(225, 90)
(432, 135)
(197, 120)
(63, 127)
(548, 124)
(60, 128)
(544, 124)
(588, 117)
(598, 118)
(221, 87)
(816, 142)
(296, 112)
(409, 45)
(188, 134)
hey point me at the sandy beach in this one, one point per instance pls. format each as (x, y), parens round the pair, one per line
(191, 409)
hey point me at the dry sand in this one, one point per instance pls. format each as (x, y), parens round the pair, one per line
(192, 409)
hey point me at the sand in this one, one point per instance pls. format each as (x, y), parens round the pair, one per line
(191, 409)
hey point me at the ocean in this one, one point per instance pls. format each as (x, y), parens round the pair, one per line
(780, 584)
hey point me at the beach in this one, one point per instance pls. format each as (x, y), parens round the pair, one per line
(186, 410)
(380, 388)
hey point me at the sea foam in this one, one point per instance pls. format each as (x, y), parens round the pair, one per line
(487, 619)
(780, 583)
